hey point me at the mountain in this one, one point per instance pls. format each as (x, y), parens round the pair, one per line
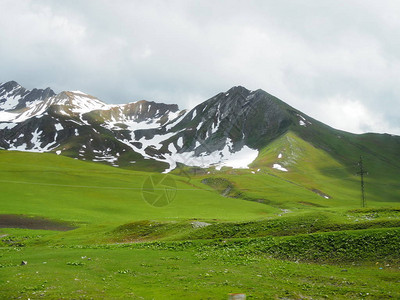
(226, 130)
(237, 129)
(15, 97)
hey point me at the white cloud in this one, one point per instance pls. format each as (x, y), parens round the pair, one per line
(180, 51)
(351, 115)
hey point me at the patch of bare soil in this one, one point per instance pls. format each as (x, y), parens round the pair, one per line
(26, 222)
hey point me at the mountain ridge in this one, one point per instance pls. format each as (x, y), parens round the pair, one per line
(230, 129)
(20, 96)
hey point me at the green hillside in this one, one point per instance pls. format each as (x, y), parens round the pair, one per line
(62, 188)
(379, 153)
(320, 169)
(261, 231)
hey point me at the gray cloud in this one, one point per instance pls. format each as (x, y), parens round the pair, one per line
(338, 61)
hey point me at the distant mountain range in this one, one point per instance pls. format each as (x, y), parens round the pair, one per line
(238, 128)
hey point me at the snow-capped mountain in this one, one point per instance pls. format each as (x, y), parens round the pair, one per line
(15, 97)
(231, 129)
(77, 124)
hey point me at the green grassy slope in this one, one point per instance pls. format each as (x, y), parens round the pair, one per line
(379, 151)
(355, 265)
(63, 188)
(271, 236)
(318, 169)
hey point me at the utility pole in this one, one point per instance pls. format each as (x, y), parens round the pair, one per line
(361, 173)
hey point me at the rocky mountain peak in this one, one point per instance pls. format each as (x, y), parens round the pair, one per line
(14, 97)
(10, 85)
(229, 127)
(241, 90)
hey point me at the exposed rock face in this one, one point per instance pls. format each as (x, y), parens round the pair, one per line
(79, 125)
(239, 115)
(225, 130)
(15, 97)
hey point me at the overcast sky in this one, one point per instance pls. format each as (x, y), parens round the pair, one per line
(337, 61)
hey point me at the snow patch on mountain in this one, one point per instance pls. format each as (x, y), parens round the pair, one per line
(59, 127)
(34, 111)
(83, 103)
(36, 141)
(303, 121)
(172, 116)
(175, 118)
(279, 167)
(68, 101)
(7, 125)
(11, 98)
(238, 160)
(179, 142)
(214, 128)
(218, 159)
(11, 102)
(79, 92)
(131, 125)
(106, 158)
(249, 97)
(7, 116)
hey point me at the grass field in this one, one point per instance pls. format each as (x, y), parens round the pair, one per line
(269, 234)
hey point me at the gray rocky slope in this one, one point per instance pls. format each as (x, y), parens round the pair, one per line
(228, 129)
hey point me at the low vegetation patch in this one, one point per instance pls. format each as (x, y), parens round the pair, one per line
(290, 225)
(372, 245)
(146, 231)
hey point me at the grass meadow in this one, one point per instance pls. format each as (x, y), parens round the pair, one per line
(259, 231)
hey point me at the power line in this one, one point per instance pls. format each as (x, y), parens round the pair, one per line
(361, 173)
